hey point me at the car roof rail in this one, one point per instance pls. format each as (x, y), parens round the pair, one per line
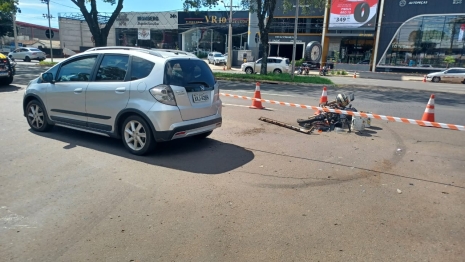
(124, 48)
(173, 51)
(114, 48)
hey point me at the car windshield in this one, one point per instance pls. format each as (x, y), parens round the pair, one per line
(218, 55)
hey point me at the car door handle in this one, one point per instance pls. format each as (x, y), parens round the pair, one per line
(120, 90)
(78, 90)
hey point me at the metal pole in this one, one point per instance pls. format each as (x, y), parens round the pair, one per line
(211, 40)
(15, 34)
(378, 32)
(295, 37)
(230, 37)
(50, 30)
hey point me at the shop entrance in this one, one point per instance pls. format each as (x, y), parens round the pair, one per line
(284, 49)
(356, 50)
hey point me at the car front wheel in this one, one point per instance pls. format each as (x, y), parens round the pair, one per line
(277, 71)
(36, 117)
(137, 136)
(248, 71)
(436, 79)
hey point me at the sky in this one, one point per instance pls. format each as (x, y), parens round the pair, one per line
(32, 11)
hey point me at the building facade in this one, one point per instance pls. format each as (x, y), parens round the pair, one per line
(418, 35)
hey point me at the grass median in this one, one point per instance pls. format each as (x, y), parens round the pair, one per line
(44, 63)
(275, 78)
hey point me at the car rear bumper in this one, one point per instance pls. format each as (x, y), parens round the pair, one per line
(181, 130)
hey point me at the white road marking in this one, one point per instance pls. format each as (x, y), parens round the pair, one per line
(251, 92)
(271, 109)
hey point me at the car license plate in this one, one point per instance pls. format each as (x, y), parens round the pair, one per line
(3, 73)
(199, 98)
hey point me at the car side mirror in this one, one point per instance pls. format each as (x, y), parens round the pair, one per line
(47, 78)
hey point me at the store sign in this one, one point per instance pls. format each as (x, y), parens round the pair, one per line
(215, 20)
(353, 14)
(403, 3)
(143, 34)
(154, 20)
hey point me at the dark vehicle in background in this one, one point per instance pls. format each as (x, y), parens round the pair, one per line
(7, 70)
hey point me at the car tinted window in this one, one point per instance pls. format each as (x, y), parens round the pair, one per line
(140, 68)
(462, 71)
(452, 71)
(218, 55)
(278, 61)
(259, 61)
(24, 50)
(271, 60)
(77, 70)
(35, 49)
(113, 68)
(191, 74)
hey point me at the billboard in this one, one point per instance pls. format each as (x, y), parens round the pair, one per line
(353, 14)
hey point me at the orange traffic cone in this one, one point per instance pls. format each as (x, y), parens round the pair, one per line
(224, 68)
(355, 74)
(257, 104)
(424, 79)
(324, 97)
(428, 115)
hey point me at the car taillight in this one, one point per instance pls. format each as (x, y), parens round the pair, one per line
(164, 94)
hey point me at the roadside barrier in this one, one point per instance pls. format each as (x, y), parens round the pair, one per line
(364, 115)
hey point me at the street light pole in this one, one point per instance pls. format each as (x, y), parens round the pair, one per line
(15, 34)
(295, 37)
(49, 27)
(230, 38)
(229, 62)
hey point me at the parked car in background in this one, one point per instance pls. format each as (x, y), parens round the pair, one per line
(27, 54)
(216, 58)
(277, 65)
(454, 75)
(137, 95)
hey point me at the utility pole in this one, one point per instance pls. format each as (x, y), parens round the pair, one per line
(295, 37)
(48, 16)
(229, 62)
(15, 34)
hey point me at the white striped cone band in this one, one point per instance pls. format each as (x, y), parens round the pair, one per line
(365, 115)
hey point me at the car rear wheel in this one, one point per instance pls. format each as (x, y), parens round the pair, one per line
(137, 136)
(36, 117)
(7, 81)
(277, 71)
(27, 59)
(436, 79)
(249, 70)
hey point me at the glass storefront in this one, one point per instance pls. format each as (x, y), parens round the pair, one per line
(356, 50)
(425, 41)
(166, 39)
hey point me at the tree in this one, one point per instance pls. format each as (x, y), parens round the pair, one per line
(449, 60)
(8, 8)
(99, 33)
(265, 12)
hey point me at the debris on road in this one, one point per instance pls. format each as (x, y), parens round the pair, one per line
(399, 191)
(295, 128)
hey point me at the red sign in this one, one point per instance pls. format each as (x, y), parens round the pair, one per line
(352, 14)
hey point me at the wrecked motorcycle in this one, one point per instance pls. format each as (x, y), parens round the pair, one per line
(328, 121)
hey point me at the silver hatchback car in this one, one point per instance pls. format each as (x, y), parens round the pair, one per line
(141, 96)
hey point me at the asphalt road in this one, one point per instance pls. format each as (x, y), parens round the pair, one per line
(251, 192)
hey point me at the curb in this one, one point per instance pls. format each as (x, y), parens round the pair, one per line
(273, 82)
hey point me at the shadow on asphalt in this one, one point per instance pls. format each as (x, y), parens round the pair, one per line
(207, 156)
(10, 88)
(383, 94)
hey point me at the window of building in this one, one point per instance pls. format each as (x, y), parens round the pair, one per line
(427, 40)
(305, 25)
